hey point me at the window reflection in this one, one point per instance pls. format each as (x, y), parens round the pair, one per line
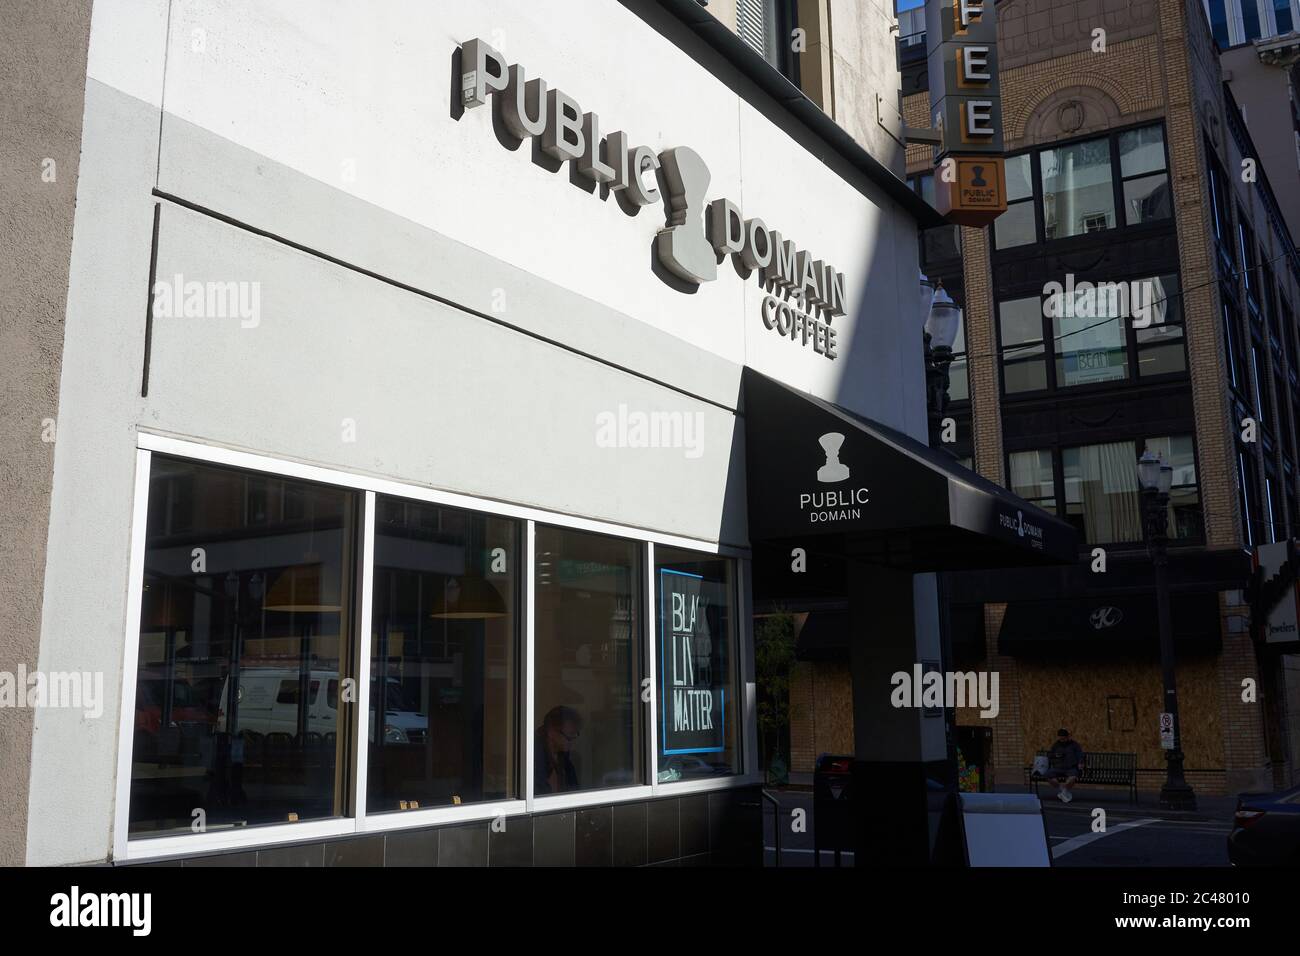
(444, 626)
(1077, 194)
(586, 661)
(244, 639)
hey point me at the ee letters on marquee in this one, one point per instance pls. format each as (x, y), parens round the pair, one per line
(804, 293)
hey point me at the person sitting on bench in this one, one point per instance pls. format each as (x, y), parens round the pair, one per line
(1064, 764)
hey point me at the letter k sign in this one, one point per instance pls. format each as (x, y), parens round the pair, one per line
(682, 247)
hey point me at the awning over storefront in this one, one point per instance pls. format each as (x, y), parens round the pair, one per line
(1109, 622)
(836, 481)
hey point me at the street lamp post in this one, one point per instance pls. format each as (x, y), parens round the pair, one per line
(1155, 478)
(942, 320)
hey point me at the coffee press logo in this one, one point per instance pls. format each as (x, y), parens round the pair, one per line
(834, 470)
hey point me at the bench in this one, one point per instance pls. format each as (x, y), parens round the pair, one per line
(1099, 769)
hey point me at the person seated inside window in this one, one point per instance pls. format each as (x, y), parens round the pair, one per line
(553, 769)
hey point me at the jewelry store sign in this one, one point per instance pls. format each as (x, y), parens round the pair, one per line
(805, 293)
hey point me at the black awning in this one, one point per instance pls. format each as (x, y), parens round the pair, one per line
(1110, 623)
(838, 482)
(824, 637)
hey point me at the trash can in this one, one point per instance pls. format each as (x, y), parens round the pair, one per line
(833, 823)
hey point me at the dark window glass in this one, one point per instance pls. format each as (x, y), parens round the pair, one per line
(1033, 477)
(1024, 368)
(1185, 519)
(587, 662)
(696, 661)
(1257, 381)
(1146, 199)
(444, 629)
(1015, 227)
(1219, 22)
(1078, 196)
(1101, 492)
(235, 640)
(1231, 337)
(1160, 348)
(1247, 495)
(1282, 14)
(1250, 20)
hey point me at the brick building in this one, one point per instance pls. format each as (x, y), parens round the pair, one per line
(1126, 164)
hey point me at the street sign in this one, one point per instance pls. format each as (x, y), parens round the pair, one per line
(1167, 731)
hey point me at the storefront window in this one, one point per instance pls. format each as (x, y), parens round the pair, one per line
(587, 723)
(1024, 368)
(696, 660)
(1101, 492)
(443, 667)
(1078, 197)
(244, 643)
(1033, 477)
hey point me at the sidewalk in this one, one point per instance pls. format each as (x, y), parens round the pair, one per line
(1216, 808)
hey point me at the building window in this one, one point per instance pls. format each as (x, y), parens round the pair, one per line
(587, 662)
(1089, 348)
(1246, 247)
(1247, 495)
(1033, 477)
(1282, 16)
(1273, 509)
(1078, 195)
(1257, 381)
(1145, 183)
(1185, 520)
(1218, 15)
(1250, 22)
(1101, 493)
(1020, 329)
(1016, 226)
(245, 634)
(1220, 208)
(767, 27)
(959, 371)
(1231, 338)
(443, 671)
(696, 660)
(1160, 349)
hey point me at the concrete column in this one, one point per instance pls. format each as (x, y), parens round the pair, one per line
(894, 626)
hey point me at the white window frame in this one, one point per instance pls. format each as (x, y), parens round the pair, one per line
(134, 849)
(1267, 18)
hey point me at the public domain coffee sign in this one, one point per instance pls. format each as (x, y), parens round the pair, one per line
(804, 293)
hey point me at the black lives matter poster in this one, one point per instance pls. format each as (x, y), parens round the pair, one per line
(690, 686)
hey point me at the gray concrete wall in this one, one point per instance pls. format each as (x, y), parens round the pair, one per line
(43, 78)
(1263, 92)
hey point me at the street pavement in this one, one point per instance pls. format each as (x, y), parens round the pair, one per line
(1134, 835)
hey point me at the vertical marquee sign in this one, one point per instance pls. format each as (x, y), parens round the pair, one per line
(694, 701)
(962, 46)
